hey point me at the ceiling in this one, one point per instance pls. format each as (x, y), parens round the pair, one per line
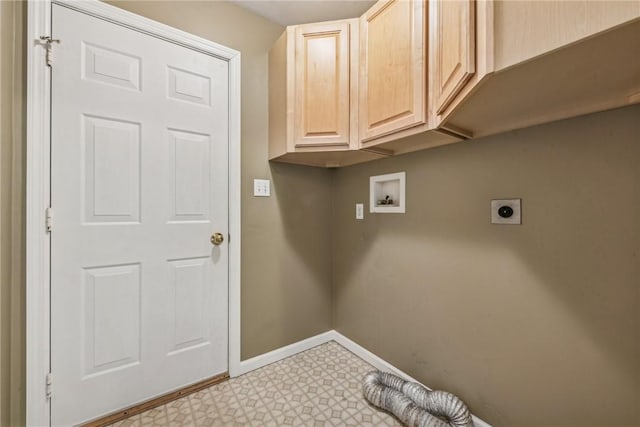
(291, 12)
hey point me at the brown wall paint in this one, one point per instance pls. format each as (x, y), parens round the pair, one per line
(533, 325)
(286, 257)
(12, 209)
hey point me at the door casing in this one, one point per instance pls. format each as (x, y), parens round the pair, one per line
(39, 177)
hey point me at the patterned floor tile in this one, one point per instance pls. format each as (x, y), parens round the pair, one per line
(318, 387)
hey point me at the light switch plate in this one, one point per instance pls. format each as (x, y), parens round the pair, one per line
(359, 211)
(510, 209)
(261, 188)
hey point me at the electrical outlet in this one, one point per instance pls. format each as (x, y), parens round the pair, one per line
(261, 188)
(506, 211)
(359, 211)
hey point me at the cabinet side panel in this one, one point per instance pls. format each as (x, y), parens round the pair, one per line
(525, 29)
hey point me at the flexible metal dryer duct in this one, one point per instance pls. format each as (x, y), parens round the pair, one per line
(413, 404)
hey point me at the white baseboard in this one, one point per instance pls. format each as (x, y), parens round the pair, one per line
(282, 353)
(292, 349)
(372, 359)
(385, 366)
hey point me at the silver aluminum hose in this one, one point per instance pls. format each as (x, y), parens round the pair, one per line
(413, 404)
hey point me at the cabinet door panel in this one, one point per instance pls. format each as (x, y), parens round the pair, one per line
(322, 85)
(453, 34)
(392, 70)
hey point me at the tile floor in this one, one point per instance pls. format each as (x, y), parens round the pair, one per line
(319, 387)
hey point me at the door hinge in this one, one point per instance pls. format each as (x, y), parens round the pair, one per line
(48, 214)
(48, 41)
(48, 385)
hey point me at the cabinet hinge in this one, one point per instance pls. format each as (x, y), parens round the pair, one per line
(48, 42)
(48, 214)
(48, 385)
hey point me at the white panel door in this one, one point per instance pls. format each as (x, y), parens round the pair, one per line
(139, 183)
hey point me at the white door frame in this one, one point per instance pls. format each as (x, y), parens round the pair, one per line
(39, 181)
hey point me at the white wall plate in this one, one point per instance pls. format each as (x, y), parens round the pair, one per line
(261, 188)
(506, 211)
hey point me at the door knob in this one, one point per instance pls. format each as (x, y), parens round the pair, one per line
(217, 238)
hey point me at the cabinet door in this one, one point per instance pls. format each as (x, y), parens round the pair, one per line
(392, 67)
(453, 41)
(322, 89)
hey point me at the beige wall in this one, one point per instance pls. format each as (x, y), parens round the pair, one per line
(286, 262)
(533, 325)
(12, 155)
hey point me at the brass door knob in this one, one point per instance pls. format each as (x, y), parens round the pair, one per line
(217, 238)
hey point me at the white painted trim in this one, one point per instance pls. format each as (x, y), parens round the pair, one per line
(371, 358)
(38, 183)
(235, 196)
(323, 338)
(37, 199)
(148, 26)
(284, 352)
(383, 365)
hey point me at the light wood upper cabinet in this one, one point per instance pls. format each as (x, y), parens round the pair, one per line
(415, 74)
(313, 95)
(392, 68)
(453, 45)
(527, 29)
(322, 113)
(548, 81)
(461, 57)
